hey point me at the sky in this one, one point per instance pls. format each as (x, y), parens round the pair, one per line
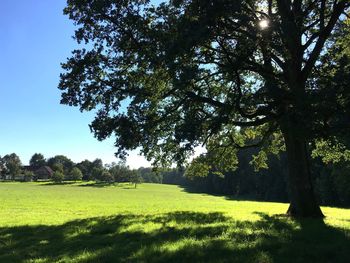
(35, 38)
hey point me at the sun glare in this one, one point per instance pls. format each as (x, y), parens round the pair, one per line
(263, 24)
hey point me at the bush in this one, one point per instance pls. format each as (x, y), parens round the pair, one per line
(57, 177)
(76, 174)
(107, 177)
(28, 176)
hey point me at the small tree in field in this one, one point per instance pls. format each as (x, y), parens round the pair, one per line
(135, 178)
(76, 174)
(57, 177)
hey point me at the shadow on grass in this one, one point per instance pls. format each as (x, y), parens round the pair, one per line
(106, 184)
(176, 237)
(57, 183)
(98, 184)
(195, 190)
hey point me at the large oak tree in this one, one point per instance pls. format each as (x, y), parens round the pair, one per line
(171, 77)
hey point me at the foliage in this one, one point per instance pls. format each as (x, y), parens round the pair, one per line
(331, 151)
(173, 176)
(75, 174)
(87, 166)
(148, 175)
(11, 164)
(96, 173)
(57, 167)
(158, 223)
(2, 167)
(57, 177)
(61, 160)
(197, 168)
(106, 176)
(37, 160)
(28, 176)
(135, 178)
(176, 67)
(120, 172)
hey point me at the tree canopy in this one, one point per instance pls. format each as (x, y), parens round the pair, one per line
(37, 160)
(221, 73)
(11, 164)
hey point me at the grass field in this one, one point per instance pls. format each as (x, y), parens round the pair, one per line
(87, 222)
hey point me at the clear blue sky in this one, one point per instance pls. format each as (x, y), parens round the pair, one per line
(35, 39)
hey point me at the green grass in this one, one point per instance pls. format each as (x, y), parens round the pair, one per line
(81, 222)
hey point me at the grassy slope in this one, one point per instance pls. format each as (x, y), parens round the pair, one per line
(158, 223)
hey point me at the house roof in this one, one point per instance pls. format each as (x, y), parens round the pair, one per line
(44, 169)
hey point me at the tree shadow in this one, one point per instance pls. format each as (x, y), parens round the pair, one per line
(50, 183)
(107, 184)
(196, 190)
(177, 237)
(98, 184)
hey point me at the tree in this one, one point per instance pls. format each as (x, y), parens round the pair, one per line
(57, 177)
(12, 164)
(106, 177)
(198, 72)
(75, 174)
(61, 160)
(37, 160)
(2, 167)
(120, 172)
(96, 173)
(85, 167)
(135, 178)
(149, 176)
(57, 167)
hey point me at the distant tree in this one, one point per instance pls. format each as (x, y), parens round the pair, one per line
(135, 178)
(75, 174)
(57, 177)
(97, 163)
(12, 164)
(106, 177)
(2, 167)
(61, 159)
(58, 167)
(85, 167)
(37, 160)
(96, 173)
(149, 175)
(120, 172)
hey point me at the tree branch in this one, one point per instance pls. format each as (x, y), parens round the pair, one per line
(324, 34)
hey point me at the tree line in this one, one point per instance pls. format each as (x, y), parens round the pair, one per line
(62, 168)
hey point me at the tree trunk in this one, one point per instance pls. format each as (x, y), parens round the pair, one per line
(302, 198)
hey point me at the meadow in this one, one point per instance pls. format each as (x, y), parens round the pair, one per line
(89, 222)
